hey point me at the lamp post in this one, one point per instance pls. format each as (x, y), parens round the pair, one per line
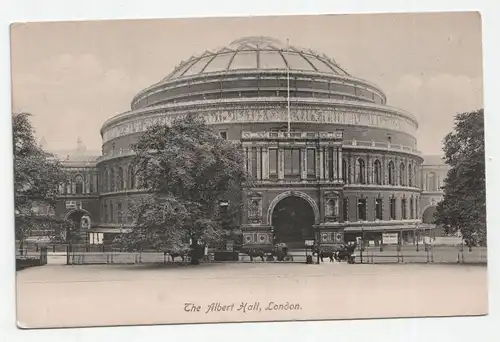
(223, 207)
(362, 247)
(417, 229)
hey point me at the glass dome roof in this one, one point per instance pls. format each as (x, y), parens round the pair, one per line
(253, 53)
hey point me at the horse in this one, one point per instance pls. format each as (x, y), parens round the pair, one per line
(280, 250)
(255, 252)
(317, 250)
(173, 255)
(346, 254)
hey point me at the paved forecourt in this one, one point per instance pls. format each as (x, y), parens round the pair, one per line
(97, 295)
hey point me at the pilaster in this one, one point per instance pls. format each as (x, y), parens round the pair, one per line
(281, 163)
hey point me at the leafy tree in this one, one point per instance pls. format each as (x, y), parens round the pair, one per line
(188, 170)
(463, 208)
(37, 176)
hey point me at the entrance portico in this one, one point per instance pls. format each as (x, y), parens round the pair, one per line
(297, 187)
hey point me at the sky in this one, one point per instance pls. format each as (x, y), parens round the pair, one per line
(72, 76)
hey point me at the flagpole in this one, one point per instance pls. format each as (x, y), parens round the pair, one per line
(288, 86)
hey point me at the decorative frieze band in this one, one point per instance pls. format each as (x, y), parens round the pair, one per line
(358, 117)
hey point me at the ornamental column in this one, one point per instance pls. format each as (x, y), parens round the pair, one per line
(281, 163)
(351, 166)
(397, 170)
(245, 152)
(321, 163)
(326, 164)
(384, 170)
(335, 175)
(250, 161)
(340, 164)
(259, 161)
(369, 169)
(303, 171)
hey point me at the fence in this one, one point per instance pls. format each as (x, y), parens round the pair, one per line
(25, 259)
(423, 254)
(85, 254)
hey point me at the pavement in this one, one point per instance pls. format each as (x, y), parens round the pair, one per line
(106, 295)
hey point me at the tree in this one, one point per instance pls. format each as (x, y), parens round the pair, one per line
(37, 176)
(188, 170)
(463, 208)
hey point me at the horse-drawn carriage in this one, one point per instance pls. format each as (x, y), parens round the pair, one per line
(278, 252)
(337, 252)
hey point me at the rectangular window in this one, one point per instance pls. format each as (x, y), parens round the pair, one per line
(311, 162)
(105, 213)
(393, 208)
(378, 209)
(273, 162)
(292, 162)
(223, 135)
(254, 162)
(362, 209)
(411, 208)
(403, 209)
(111, 216)
(330, 164)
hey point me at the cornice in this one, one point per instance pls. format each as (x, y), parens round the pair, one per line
(252, 74)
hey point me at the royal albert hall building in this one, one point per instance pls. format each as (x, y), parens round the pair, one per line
(347, 165)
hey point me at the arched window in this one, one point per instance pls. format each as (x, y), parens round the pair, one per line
(345, 171)
(131, 177)
(111, 214)
(392, 209)
(119, 179)
(112, 180)
(403, 208)
(410, 175)
(360, 171)
(431, 181)
(411, 208)
(415, 174)
(402, 174)
(78, 184)
(377, 172)
(104, 181)
(390, 172)
(378, 208)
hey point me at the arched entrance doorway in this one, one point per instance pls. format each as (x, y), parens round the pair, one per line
(82, 221)
(293, 220)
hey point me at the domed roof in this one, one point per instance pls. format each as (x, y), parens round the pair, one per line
(257, 53)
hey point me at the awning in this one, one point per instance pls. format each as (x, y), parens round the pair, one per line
(381, 228)
(109, 230)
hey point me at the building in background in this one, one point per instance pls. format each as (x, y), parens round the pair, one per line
(332, 160)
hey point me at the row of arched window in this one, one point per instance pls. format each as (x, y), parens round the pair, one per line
(79, 184)
(118, 178)
(408, 209)
(406, 175)
(115, 213)
(432, 181)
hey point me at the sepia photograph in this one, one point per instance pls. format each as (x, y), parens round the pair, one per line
(249, 169)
